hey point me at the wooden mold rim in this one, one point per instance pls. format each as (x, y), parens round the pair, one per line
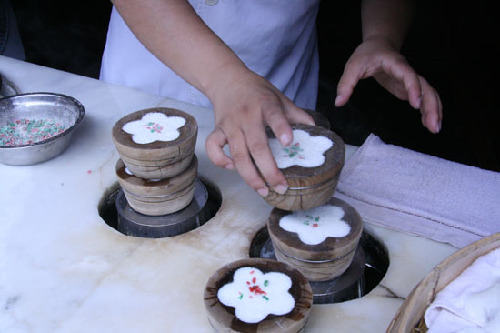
(318, 261)
(161, 185)
(160, 196)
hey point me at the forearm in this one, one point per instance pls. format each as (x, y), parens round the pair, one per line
(387, 19)
(176, 35)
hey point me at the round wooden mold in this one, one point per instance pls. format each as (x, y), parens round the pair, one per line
(159, 159)
(131, 223)
(319, 118)
(223, 318)
(310, 187)
(323, 261)
(158, 197)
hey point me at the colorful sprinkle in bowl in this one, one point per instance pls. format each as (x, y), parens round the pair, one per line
(37, 127)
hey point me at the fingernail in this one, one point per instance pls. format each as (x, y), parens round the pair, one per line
(263, 192)
(419, 102)
(438, 129)
(338, 100)
(229, 166)
(280, 189)
(285, 139)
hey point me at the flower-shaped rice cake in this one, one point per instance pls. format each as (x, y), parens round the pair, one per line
(255, 294)
(154, 126)
(313, 226)
(305, 150)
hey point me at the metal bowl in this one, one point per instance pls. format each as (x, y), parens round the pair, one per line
(55, 115)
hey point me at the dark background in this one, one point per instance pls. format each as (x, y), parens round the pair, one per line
(453, 44)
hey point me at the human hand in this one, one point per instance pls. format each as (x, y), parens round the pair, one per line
(376, 57)
(244, 105)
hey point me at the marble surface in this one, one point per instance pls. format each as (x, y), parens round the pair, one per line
(63, 269)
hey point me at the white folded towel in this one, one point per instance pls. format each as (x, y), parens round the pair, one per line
(471, 302)
(420, 194)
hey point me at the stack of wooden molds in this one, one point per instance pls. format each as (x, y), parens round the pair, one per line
(158, 178)
(311, 187)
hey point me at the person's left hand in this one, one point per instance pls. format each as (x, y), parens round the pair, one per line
(377, 58)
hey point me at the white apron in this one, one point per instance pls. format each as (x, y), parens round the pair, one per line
(274, 38)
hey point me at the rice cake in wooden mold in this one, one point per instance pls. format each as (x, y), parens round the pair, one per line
(321, 262)
(310, 187)
(223, 318)
(158, 159)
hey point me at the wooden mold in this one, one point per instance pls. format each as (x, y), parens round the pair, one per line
(223, 318)
(133, 223)
(159, 159)
(323, 261)
(319, 118)
(158, 197)
(310, 187)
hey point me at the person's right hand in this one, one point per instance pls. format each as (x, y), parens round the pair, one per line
(244, 104)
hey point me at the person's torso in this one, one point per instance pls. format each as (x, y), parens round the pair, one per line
(274, 38)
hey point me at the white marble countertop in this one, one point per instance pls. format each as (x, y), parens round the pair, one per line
(63, 269)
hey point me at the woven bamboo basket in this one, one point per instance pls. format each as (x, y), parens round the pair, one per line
(410, 316)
